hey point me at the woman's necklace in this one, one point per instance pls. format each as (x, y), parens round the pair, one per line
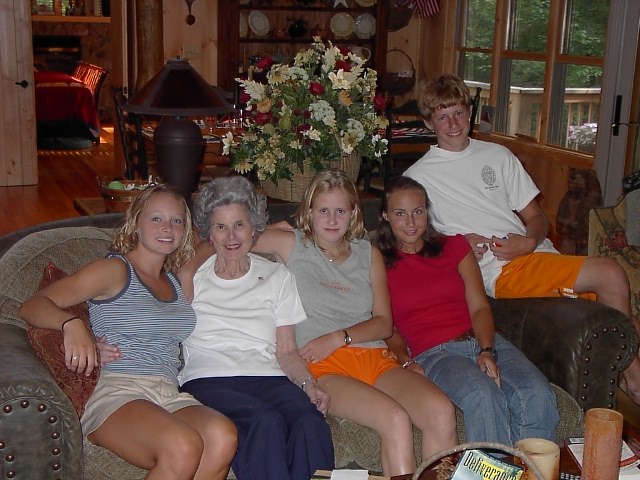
(344, 251)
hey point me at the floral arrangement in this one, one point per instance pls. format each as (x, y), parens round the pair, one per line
(308, 114)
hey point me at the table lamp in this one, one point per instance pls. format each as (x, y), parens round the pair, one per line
(175, 93)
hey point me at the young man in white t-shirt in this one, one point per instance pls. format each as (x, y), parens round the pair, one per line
(481, 190)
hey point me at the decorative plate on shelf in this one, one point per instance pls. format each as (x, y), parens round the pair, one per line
(366, 3)
(365, 26)
(342, 25)
(244, 25)
(259, 23)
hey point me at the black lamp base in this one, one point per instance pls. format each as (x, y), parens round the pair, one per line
(179, 151)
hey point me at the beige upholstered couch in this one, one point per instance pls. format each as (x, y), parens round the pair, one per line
(608, 238)
(579, 345)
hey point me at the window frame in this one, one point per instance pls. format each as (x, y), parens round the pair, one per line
(556, 62)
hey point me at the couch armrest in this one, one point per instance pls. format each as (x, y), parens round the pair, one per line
(38, 424)
(581, 346)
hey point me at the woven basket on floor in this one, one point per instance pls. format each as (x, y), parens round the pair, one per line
(292, 190)
(448, 460)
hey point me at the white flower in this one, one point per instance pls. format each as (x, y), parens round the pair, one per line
(289, 122)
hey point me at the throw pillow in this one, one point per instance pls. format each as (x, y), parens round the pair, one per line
(49, 346)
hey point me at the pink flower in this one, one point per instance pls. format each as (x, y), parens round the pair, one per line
(380, 103)
(302, 128)
(263, 118)
(341, 64)
(264, 63)
(316, 88)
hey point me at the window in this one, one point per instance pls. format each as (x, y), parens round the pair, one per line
(541, 61)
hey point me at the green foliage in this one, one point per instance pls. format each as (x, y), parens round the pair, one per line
(585, 36)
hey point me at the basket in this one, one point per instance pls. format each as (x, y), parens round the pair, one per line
(292, 190)
(116, 200)
(401, 82)
(531, 472)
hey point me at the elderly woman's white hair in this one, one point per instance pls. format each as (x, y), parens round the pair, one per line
(235, 190)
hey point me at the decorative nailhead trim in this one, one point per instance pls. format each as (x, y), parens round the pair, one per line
(53, 419)
(57, 466)
(24, 403)
(55, 435)
(10, 457)
(42, 407)
(56, 451)
(7, 409)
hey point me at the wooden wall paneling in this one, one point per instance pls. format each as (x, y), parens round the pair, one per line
(197, 43)
(18, 165)
(549, 168)
(438, 42)
(404, 40)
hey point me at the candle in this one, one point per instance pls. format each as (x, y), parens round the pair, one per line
(545, 454)
(602, 444)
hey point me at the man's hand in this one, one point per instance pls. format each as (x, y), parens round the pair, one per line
(478, 243)
(512, 246)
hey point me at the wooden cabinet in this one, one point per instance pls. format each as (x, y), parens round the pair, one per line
(281, 28)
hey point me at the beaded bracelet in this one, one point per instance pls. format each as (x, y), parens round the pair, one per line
(68, 320)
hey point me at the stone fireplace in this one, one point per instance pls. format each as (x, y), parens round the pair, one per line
(71, 42)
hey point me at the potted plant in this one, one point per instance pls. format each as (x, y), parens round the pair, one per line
(314, 114)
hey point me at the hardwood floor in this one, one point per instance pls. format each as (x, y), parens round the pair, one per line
(63, 176)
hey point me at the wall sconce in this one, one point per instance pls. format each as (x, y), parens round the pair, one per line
(175, 93)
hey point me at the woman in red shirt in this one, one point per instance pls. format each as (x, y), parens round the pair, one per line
(444, 326)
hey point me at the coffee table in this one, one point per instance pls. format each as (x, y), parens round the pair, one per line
(567, 465)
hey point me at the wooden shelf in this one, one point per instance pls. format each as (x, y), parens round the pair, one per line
(235, 58)
(69, 19)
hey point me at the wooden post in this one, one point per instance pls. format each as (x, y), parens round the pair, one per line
(149, 40)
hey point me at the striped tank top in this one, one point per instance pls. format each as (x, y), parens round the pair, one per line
(147, 330)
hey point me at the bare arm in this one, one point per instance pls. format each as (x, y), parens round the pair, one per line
(98, 280)
(480, 311)
(398, 346)
(202, 251)
(295, 368)
(276, 241)
(537, 227)
(378, 327)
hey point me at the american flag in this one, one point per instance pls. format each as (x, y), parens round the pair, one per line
(424, 8)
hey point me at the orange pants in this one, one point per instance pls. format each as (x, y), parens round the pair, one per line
(364, 364)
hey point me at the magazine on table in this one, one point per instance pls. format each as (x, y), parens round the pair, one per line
(478, 465)
(629, 461)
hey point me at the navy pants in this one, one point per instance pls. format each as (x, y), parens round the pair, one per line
(281, 434)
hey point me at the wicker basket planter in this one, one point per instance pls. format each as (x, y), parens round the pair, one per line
(292, 190)
(116, 200)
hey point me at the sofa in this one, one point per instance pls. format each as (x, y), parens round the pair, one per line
(580, 346)
(610, 237)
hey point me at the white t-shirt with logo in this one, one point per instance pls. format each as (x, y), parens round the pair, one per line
(478, 190)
